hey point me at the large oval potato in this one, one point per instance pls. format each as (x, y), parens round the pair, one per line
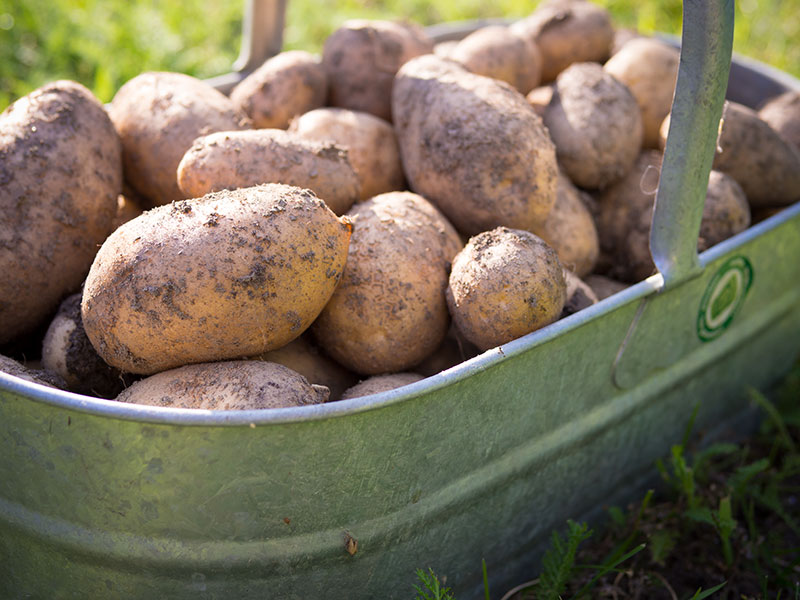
(225, 276)
(473, 146)
(60, 175)
(234, 159)
(370, 143)
(158, 116)
(782, 113)
(286, 85)
(389, 311)
(233, 385)
(596, 125)
(361, 58)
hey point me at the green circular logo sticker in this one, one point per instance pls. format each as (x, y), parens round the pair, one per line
(724, 297)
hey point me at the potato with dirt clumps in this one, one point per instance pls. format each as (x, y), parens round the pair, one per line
(497, 52)
(381, 383)
(305, 357)
(233, 385)
(230, 160)
(370, 143)
(649, 68)
(60, 175)
(389, 312)
(782, 113)
(66, 350)
(158, 116)
(41, 376)
(229, 275)
(361, 59)
(626, 214)
(285, 86)
(596, 125)
(570, 229)
(473, 146)
(505, 283)
(567, 32)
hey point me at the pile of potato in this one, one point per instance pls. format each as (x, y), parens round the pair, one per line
(380, 213)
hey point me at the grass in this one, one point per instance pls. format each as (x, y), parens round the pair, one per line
(103, 43)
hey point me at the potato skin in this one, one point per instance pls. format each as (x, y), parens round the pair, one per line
(782, 113)
(504, 284)
(60, 175)
(389, 311)
(158, 116)
(361, 59)
(237, 159)
(473, 146)
(726, 211)
(649, 68)
(286, 85)
(370, 142)
(570, 230)
(596, 125)
(380, 383)
(225, 276)
(498, 52)
(233, 385)
(567, 32)
(42, 377)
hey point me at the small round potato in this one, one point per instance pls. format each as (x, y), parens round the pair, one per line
(234, 385)
(226, 276)
(567, 32)
(497, 52)
(158, 116)
(649, 68)
(782, 113)
(285, 86)
(361, 59)
(596, 125)
(370, 142)
(539, 98)
(504, 284)
(380, 383)
(60, 175)
(389, 311)
(236, 159)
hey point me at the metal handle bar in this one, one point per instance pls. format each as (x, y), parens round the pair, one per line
(706, 49)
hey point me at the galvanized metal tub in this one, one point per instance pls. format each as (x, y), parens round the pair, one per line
(103, 500)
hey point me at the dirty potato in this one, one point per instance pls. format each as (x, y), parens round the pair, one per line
(229, 275)
(235, 159)
(504, 284)
(381, 383)
(782, 113)
(473, 146)
(232, 385)
(286, 85)
(60, 175)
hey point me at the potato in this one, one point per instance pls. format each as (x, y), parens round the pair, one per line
(504, 284)
(285, 86)
(128, 207)
(361, 59)
(229, 275)
(496, 51)
(761, 161)
(539, 98)
(473, 146)
(623, 35)
(579, 294)
(627, 212)
(453, 350)
(158, 116)
(370, 143)
(782, 113)
(381, 383)
(389, 311)
(570, 229)
(596, 125)
(566, 33)
(303, 356)
(443, 49)
(42, 377)
(603, 286)
(234, 385)
(237, 159)
(60, 175)
(649, 67)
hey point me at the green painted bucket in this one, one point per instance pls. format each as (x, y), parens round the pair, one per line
(106, 500)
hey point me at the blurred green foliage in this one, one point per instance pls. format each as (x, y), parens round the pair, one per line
(103, 43)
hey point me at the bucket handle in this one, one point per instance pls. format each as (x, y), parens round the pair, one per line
(706, 47)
